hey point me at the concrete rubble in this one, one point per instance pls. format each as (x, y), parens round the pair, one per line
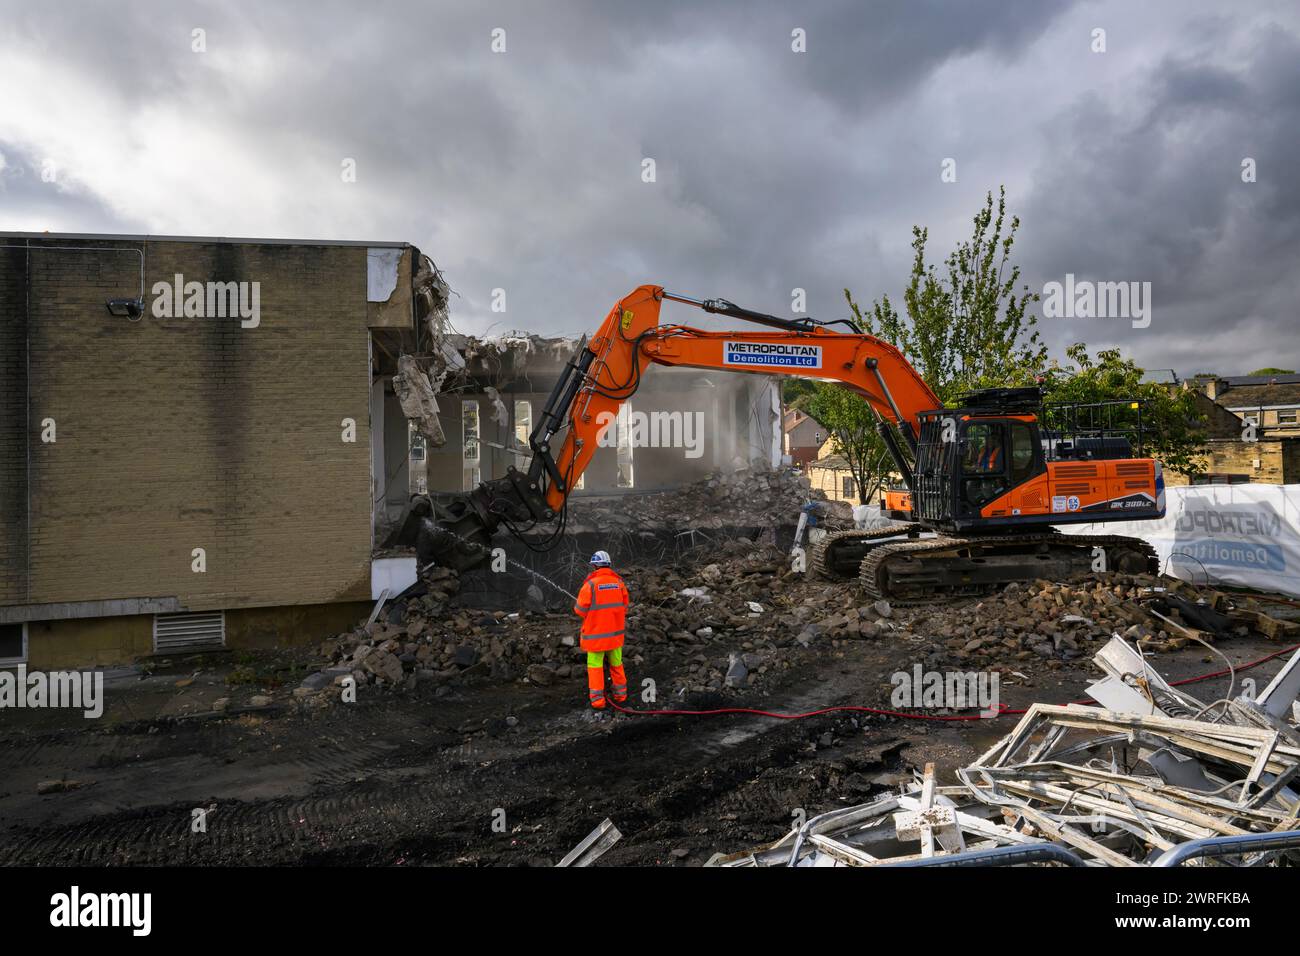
(719, 626)
(1061, 621)
(732, 610)
(416, 393)
(745, 497)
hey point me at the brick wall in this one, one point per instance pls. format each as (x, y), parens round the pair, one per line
(13, 425)
(183, 433)
(1238, 458)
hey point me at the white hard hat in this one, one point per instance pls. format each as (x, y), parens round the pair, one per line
(600, 558)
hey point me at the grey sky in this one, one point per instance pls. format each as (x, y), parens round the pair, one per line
(775, 169)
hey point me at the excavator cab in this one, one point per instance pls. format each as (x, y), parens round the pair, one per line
(971, 456)
(992, 464)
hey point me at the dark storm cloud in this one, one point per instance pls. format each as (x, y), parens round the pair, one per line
(775, 170)
(1156, 194)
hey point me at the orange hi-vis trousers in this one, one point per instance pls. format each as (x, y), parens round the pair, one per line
(596, 677)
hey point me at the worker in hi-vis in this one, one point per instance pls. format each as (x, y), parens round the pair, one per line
(602, 604)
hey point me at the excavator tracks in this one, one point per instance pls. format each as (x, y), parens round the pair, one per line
(920, 571)
(837, 557)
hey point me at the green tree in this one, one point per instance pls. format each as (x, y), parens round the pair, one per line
(798, 392)
(1273, 371)
(1171, 422)
(968, 327)
(852, 427)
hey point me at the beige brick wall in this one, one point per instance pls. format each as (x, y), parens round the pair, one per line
(181, 433)
(1238, 458)
(13, 425)
(830, 481)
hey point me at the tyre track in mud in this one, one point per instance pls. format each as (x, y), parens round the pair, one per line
(395, 784)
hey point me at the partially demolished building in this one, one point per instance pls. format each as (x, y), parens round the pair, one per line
(651, 488)
(203, 441)
(682, 426)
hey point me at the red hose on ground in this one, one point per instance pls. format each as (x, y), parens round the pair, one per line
(1002, 711)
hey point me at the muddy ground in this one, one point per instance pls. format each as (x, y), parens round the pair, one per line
(427, 776)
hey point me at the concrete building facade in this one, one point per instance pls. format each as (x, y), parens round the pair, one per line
(191, 438)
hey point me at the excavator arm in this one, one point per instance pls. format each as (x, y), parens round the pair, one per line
(606, 371)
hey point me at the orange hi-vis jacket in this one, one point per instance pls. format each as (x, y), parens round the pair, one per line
(602, 605)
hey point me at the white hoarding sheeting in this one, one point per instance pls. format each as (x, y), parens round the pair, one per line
(1247, 535)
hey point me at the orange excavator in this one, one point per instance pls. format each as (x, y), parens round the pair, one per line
(983, 484)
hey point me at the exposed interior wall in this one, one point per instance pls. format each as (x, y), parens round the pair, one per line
(735, 423)
(396, 454)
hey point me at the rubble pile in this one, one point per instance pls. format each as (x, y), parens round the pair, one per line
(1061, 621)
(718, 626)
(746, 498)
(1155, 778)
(736, 614)
(732, 621)
(428, 637)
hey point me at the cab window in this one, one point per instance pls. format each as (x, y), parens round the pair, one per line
(984, 453)
(1022, 452)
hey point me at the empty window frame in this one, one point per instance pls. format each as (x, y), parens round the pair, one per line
(470, 449)
(13, 644)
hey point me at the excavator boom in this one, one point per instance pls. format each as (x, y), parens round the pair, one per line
(631, 338)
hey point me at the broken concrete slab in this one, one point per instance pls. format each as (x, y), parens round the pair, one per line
(417, 395)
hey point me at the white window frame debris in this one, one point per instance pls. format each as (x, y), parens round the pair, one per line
(1097, 787)
(626, 468)
(523, 428)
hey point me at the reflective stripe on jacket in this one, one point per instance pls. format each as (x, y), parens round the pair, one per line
(602, 605)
